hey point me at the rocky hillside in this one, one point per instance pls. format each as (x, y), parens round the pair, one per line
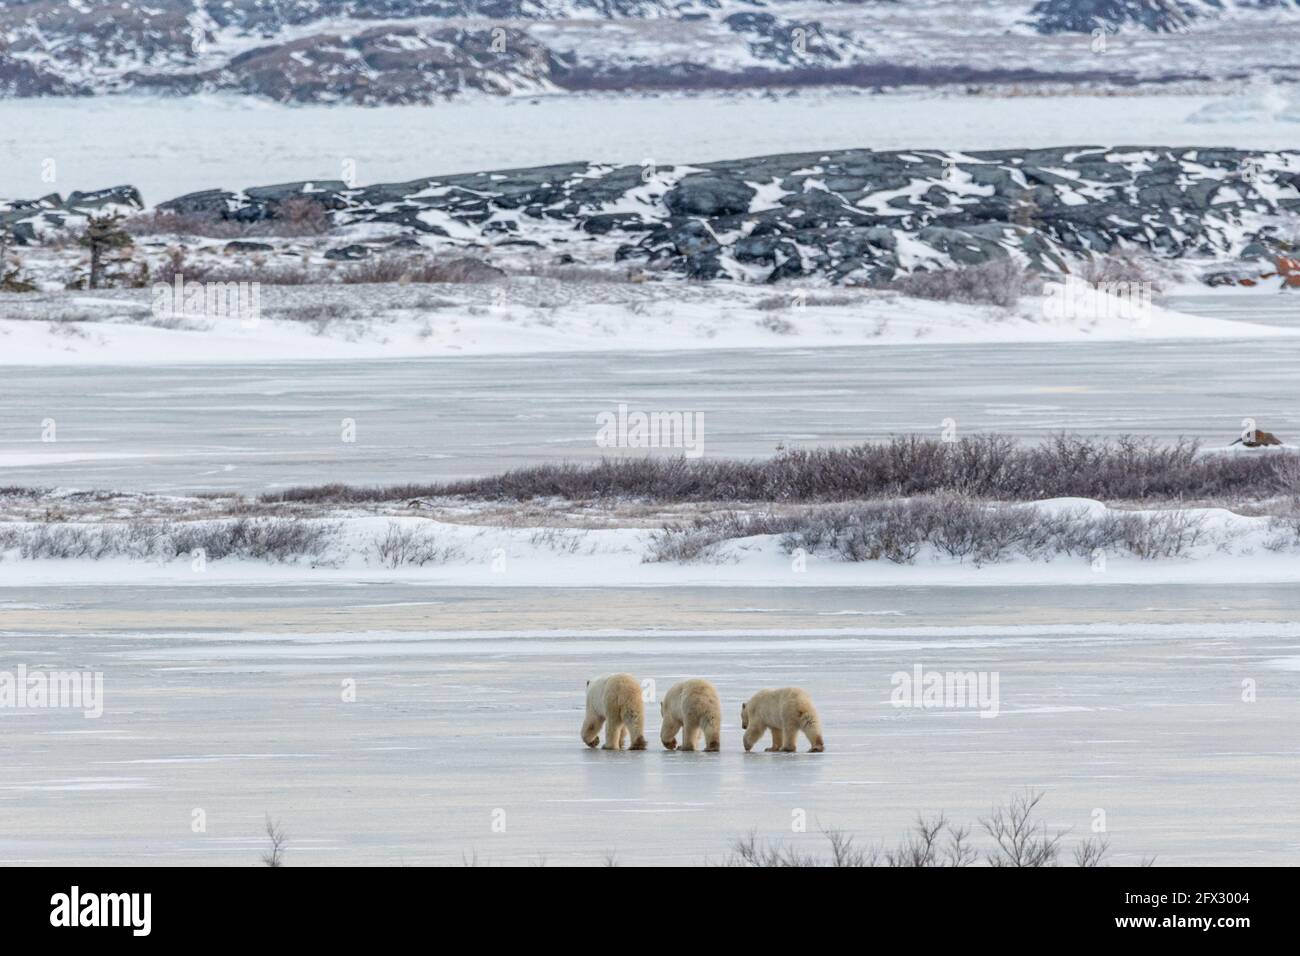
(417, 51)
(1158, 16)
(854, 216)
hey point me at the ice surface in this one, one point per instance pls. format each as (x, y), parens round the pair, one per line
(259, 426)
(167, 147)
(1124, 699)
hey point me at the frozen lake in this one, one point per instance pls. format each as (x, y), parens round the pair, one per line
(468, 702)
(167, 147)
(263, 426)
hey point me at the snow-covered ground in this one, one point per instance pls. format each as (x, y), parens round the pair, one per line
(1231, 548)
(537, 316)
(167, 147)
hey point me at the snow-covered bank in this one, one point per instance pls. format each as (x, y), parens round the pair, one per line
(1226, 548)
(525, 315)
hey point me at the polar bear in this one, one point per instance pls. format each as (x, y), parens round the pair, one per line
(785, 712)
(691, 706)
(615, 701)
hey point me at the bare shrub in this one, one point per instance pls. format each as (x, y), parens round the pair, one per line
(266, 539)
(776, 324)
(995, 467)
(255, 270)
(559, 540)
(1091, 852)
(1119, 267)
(162, 222)
(396, 267)
(279, 840)
(958, 527)
(11, 277)
(774, 303)
(1020, 840)
(1017, 839)
(748, 851)
(300, 216)
(999, 282)
(699, 539)
(1165, 534)
(293, 217)
(319, 315)
(1285, 531)
(1287, 476)
(580, 273)
(402, 546)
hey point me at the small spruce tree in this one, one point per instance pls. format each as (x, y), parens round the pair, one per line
(103, 233)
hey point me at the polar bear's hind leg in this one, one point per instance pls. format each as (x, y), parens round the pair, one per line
(776, 740)
(591, 730)
(636, 721)
(668, 733)
(789, 739)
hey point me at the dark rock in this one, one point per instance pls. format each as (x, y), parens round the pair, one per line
(350, 253)
(209, 203)
(468, 270)
(700, 194)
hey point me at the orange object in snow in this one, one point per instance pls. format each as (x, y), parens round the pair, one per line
(1289, 270)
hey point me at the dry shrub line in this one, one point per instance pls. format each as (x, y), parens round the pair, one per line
(955, 526)
(1016, 838)
(990, 466)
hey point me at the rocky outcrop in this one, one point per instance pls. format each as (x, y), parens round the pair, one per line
(28, 221)
(420, 51)
(1085, 16)
(1157, 16)
(857, 216)
(392, 52)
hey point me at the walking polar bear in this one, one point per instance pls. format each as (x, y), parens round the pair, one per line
(691, 706)
(785, 712)
(614, 701)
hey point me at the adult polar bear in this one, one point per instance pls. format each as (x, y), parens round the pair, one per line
(614, 701)
(691, 706)
(785, 712)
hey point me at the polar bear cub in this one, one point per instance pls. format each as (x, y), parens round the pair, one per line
(614, 701)
(691, 706)
(785, 712)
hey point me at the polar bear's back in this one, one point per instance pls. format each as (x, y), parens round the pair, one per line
(694, 698)
(614, 695)
(782, 706)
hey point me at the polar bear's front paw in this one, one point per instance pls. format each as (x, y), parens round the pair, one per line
(638, 744)
(670, 744)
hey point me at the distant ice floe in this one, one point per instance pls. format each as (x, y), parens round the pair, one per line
(1260, 104)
